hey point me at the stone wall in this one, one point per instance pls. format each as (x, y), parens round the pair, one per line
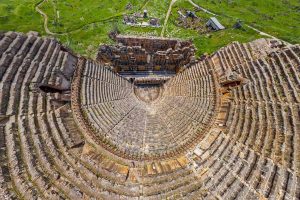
(144, 54)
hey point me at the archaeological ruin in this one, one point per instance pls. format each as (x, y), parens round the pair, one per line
(147, 54)
(147, 120)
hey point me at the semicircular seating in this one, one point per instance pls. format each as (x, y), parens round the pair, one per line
(142, 130)
(72, 129)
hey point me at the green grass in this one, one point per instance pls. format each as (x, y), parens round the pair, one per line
(69, 15)
(20, 15)
(276, 17)
(210, 42)
(87, 24)
(84, 24)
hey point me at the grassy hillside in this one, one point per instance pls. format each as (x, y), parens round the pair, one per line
(83, 24)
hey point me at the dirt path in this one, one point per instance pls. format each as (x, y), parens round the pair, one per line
(260, 32)
(167, 17)
(201, 8)
(266, 34)
(47, 30)
(249, 26)
(45, 18)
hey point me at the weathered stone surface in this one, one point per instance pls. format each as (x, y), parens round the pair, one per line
(143, 54)
(70, 128)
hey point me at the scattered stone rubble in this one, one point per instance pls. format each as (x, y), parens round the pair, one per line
(189, 20)
(142, 20)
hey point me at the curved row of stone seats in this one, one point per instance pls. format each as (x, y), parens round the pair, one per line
(270, 149)
(110, 106)
(107, 100)
(78, 177)
(158, 196)
(29, 62)
(24, 157)
(43, 156)
(272, 97)
(29, 179)
(91, 180)
(44, 167)
(64, 163)
(37, 160)
(229, 56)
(25, 56)
(237, 53)
(109, 86)
(154, 179)
(258, 157)
(154, 185)
(190, 95)
(229, 169)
